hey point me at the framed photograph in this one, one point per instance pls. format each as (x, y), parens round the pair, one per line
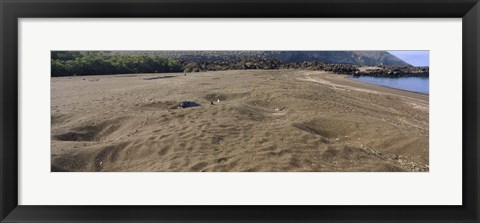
(228, 111)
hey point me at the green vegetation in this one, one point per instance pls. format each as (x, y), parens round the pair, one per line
(70, 63)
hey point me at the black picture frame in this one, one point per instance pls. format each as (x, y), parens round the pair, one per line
(12, 10)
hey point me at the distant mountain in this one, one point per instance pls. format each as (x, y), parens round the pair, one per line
(379, 58)
(364, 58)
(361, 58)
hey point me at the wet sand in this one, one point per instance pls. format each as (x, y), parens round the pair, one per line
(260, 120)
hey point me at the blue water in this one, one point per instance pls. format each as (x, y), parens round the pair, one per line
(415, 84)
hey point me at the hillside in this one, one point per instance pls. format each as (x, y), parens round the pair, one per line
(374, 63)
(361, 58)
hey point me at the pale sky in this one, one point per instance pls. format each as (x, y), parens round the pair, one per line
(415, 58)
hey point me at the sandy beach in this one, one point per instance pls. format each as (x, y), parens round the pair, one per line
(260, 120)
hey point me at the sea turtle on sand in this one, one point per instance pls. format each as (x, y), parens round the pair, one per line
(188, 104)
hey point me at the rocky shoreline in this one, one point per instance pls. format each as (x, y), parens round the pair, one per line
(393, 71)
(355, 63)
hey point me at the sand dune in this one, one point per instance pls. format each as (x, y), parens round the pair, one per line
(279, 120)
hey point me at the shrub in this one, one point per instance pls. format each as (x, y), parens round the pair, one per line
(97, 63)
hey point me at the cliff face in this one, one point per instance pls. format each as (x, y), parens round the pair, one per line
(379, 58)
(362, 58)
